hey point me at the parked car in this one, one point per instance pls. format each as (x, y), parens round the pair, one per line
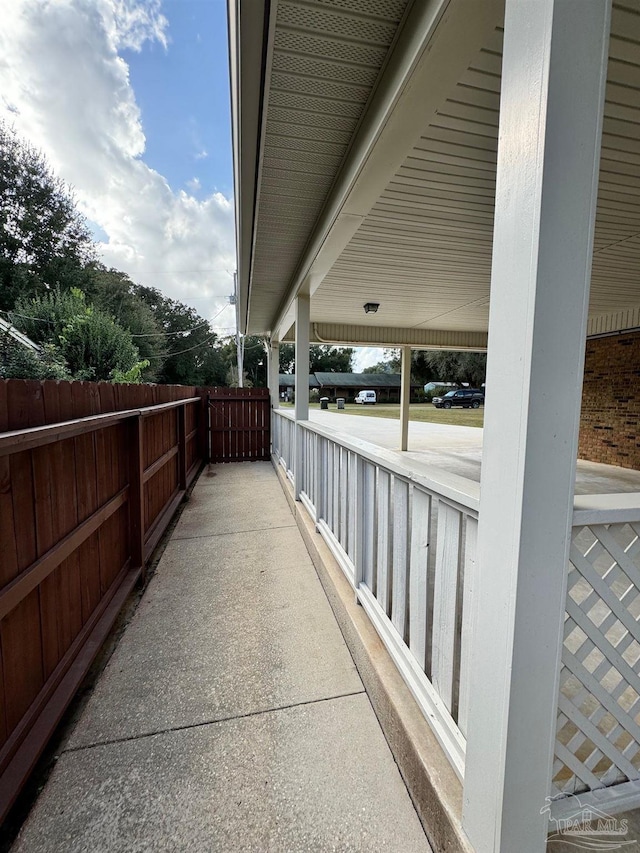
(365, 397)
(468, 398)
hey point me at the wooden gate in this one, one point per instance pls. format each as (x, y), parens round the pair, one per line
(239, 424)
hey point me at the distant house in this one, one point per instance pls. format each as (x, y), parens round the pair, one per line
(347, 385)
(287, 383)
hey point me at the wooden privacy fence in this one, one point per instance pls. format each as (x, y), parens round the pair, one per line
(85, 494)
(90, 476)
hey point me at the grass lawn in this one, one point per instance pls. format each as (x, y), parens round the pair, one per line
(425, 412)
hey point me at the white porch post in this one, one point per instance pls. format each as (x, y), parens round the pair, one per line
(405, 395)
(302, 382)
(274, 373)
(553, 79)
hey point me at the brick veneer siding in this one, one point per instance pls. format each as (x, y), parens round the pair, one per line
(610, 420)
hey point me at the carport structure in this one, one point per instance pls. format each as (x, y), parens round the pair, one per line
(474, 169)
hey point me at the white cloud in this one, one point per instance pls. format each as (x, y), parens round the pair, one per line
(194, 185)
(136, 22)
(66, 89)
(201, 155)
(367, 357)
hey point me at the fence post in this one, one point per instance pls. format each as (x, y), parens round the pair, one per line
(182, 448)
(136, 492)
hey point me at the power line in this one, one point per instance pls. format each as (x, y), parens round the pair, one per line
(183, 332)
(180, 352)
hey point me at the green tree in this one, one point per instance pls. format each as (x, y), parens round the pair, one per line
(91, 343)
(468, 368)
(114, 293)
(43, 238)
(287, 358)
(323, 358)
(191, 351)
(462, 367)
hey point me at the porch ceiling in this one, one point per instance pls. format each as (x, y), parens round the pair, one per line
(421, 244)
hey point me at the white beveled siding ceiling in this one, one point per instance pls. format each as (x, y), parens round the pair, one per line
(424, 250)
(326, 58)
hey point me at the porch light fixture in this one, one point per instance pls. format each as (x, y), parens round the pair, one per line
(371, 307)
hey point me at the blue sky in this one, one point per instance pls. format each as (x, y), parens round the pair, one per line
(183, 94)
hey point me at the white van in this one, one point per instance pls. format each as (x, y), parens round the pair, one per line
(365, 397)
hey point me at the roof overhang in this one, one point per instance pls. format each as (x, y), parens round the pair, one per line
(248, 50)
(381, 336)
(368, 177)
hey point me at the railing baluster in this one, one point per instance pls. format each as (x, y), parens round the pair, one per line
(321, 510)
(335, 517)
(418, 574)
(368, 516)
(344, 496)
(383, 500)
(470, 566)
(445, 599)
(352, 503)
(399, 565)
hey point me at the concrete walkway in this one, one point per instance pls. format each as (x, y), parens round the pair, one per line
(230, 716)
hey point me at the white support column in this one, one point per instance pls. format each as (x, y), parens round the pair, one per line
(302, 304)
(553, 80)
(274, 373)
(405, 396)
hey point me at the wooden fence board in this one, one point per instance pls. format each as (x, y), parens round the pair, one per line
(22, 657)
(50, 489)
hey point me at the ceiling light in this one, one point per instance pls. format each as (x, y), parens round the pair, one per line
(371, 307)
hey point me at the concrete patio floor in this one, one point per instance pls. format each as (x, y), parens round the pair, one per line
(458, 449)
(231, 716)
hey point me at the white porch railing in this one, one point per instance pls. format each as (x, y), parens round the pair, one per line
(407, 544)
(283, 440)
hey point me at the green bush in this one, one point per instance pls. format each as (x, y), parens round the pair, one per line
(20, 362)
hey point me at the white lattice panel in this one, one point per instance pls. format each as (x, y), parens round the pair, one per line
(598, 732)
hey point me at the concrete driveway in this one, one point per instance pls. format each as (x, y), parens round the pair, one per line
(458, 449)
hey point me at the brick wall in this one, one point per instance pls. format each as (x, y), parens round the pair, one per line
(610, 420)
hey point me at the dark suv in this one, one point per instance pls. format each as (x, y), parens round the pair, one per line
(468, 398)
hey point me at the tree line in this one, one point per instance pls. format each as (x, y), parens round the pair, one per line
(90, 321)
